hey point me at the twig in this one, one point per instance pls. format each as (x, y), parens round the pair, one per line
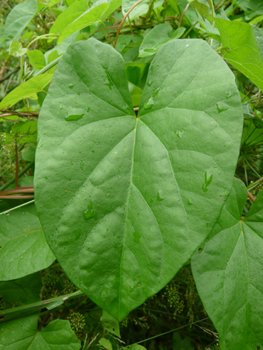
(16, 176)
(184, 11)
(13, 179)
(123, 20)
(19, 206)
(250, 196)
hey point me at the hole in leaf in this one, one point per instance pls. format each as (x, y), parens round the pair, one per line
(258, 347)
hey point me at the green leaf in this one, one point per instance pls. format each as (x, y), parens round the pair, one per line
(136, 94)
(21, 291)
(135, 71)
(18, 19)
(136, 347)
(22, 334)
(110, 324)
(242, 50)
(105, 343)
(181, 344)
(76, 17)
(28, 153)
(26, 90)
(251, 6)
(119, 187)
(228, 275)
(16, 49)
(232, 209)
(258, 32)
(140, 9)
(36, 59)
(75, 10)
(158, 36)
(23, 248)
(202, 9)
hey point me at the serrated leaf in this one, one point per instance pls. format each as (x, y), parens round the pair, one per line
(157, 37)
(16, 49)
(26, 90)
(23, 334)
(23, 248)
(119, 187)
(228, 274)
(241, 49)
(18, 19)
(36, 59)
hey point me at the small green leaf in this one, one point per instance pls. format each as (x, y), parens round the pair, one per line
(157, 37)
(228, 274)
(36, 59)
(23, 334)
(18, 19)
(26, 90)
(242, 50)
(253, 7)
(202, 9)
(136, 94)
(28, 153)
(105, 343)
(140, 9)
(76, 17)
(23, 248)
(110, 324)
(136, 347)
(16, 49)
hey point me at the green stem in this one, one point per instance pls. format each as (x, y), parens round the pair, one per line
(48, 66)
(189, 30)
(21, 205)
(123, 20)
(160, 335)
(213, 15)
(21, 311)
(44, 36)
(22, 59)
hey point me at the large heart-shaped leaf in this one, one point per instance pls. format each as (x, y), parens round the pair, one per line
(124, 200)
(228, 275)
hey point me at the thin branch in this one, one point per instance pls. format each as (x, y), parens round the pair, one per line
(251, 196)
(123, 20)
(184, 11)
(16, 176)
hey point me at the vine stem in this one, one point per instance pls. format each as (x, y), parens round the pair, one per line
(251, 196)
(184, 11)
(16, 176)
(19, 206)
(123, 20)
